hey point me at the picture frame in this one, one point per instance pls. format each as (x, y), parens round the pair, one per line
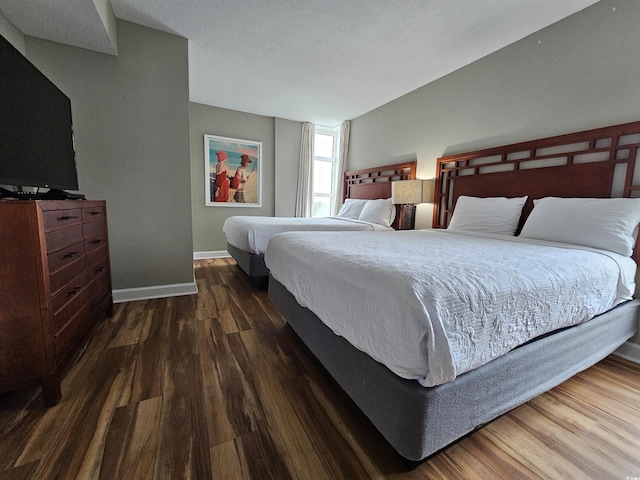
(232, 172)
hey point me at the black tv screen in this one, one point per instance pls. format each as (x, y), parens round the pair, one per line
(36, 130)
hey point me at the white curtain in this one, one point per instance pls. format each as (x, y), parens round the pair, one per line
(345, 128)
(305, 171)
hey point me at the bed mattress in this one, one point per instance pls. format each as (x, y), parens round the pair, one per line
(251, 234)
(433, 304)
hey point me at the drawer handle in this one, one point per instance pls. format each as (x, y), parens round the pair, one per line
(74, 291)
(95, 242)
(99, 269)
(94, 213)
(70, 255)
(67, 217)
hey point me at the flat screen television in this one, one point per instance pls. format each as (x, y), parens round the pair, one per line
(36, 129)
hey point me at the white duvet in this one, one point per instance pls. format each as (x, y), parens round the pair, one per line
(431, 305)
(252, 234)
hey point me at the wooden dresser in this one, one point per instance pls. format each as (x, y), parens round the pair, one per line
(55, 285)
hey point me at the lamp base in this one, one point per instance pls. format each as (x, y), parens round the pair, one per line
(407, 217)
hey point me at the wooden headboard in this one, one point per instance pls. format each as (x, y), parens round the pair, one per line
(375, 183)
(597, 163)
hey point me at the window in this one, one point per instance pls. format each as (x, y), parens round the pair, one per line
(325, 159)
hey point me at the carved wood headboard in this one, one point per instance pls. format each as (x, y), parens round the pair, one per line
(375, 183)
(597, 163)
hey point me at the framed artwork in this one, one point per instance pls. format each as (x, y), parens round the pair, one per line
(232, 172)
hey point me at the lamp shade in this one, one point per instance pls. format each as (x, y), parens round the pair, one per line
(428, 187)
(412, 191)
(406, 191)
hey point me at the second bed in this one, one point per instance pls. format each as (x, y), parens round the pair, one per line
(248, 236)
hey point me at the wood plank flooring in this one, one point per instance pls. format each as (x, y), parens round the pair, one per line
(217, 386)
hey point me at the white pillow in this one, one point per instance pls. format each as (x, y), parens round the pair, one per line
(351, 208)
(381, 212)
(498, 215)
(605, 223)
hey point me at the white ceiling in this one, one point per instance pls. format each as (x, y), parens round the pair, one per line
(322, 61)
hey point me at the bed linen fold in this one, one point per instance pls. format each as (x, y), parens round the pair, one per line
(431, 305)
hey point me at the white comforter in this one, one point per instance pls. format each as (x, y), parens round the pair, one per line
(431, 305)
(252, 234)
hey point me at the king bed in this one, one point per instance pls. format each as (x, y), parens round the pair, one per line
(364, 209)
(434, 333)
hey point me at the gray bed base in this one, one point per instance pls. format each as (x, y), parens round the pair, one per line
(252, 264)
(419, 421)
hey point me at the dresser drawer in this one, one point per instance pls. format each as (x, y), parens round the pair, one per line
(97, 241)
(98, 255)
(62, 277)
(59, 239)
(91, 214)
(69, 333)
(98, 289)
(56, 219)
(91, 229)
(74, 304)
(71, 291)
(64, 257)
(96, 270)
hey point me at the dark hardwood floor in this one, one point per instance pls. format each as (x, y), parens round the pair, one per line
(217, 386)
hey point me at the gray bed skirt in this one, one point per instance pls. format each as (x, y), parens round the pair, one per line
(252, 264)
(419, 421)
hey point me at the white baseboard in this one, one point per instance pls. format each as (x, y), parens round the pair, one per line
(159, 291)
(163, 291)
(213, 254)
(629, 351)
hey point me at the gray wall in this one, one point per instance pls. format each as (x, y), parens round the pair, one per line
(131, 120)
(584, 74)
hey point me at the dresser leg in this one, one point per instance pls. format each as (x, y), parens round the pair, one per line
(51, 392)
